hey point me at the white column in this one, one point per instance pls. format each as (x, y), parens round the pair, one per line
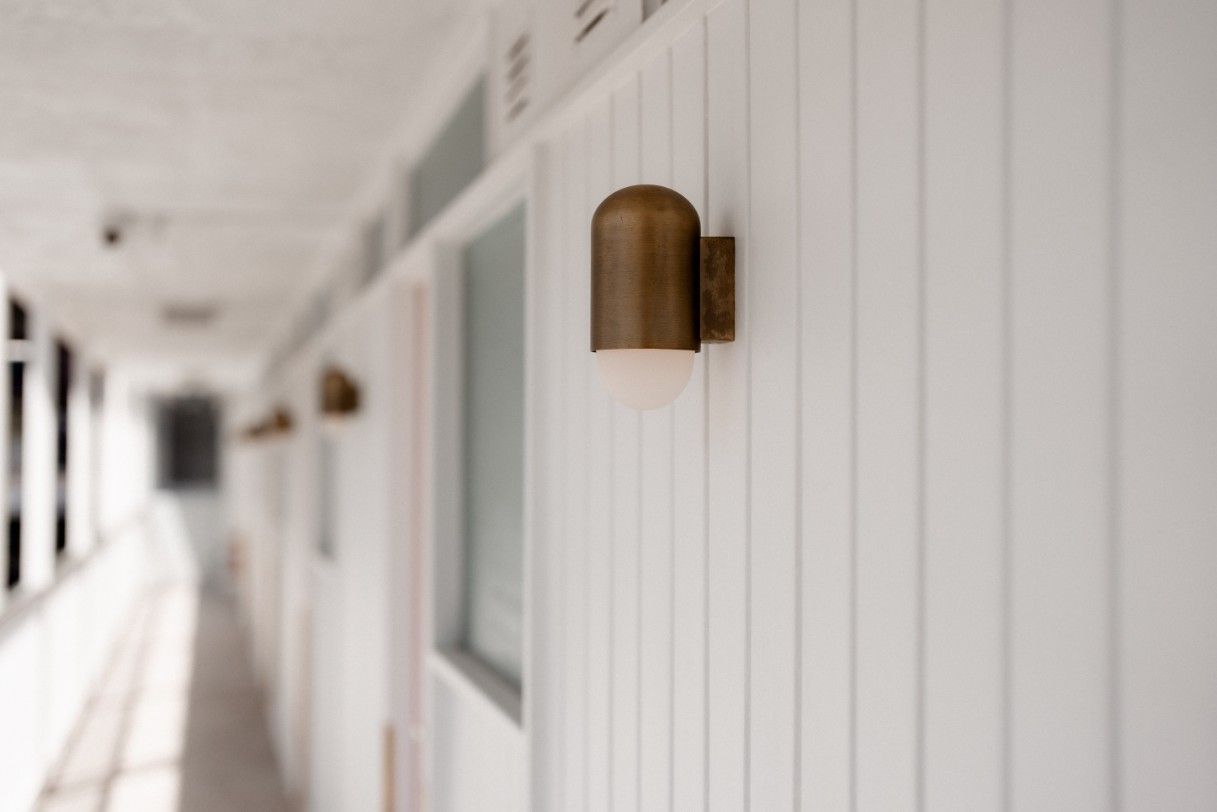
(38, 457)
(4, 440)
(80, 463)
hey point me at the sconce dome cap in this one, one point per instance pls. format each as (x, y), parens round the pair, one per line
(645, 283)
(339, 394)
(281, 421)
(647, 199)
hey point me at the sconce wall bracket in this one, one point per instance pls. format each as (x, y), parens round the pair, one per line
(717, 290)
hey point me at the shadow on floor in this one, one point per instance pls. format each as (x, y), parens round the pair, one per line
(176, 723)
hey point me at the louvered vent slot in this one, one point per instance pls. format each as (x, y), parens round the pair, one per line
(517, 70)
(189, 314)
(588, 15)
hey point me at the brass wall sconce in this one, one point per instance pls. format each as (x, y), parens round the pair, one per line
(281, 422)
(339, 396)
(277, 424)
(659, 291)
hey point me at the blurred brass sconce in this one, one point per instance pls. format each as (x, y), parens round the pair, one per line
(281, 423)
(659, 291)
(277, 424)
(339, 396)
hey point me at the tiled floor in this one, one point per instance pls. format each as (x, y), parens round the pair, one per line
(176, 723)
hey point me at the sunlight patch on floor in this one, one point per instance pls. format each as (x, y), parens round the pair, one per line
(175, 724)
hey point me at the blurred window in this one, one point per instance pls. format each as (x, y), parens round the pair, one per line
(493, 446)
(186, 443)
(18, 338)
(63, 392)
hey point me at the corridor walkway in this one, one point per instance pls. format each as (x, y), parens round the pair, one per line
(176, 722)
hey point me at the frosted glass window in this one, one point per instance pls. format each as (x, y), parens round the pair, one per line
(493, 446)
(325, 497)
(453, 160)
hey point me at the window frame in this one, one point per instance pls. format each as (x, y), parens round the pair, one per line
(493, 196)
(18, 346)
(324, 545)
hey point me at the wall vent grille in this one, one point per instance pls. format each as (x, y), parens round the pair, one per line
(189, 314)
(517, 75)
(588, 15)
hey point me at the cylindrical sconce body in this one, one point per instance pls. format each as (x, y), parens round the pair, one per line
(645, 283)
(339, 394)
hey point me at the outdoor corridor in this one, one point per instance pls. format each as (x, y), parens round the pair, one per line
(176, 722)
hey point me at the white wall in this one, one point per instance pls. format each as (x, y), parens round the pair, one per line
(320, 627)
(362, 520)
(937, 529)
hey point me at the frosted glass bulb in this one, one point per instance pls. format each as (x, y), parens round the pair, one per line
(644, 379)
(333, 423)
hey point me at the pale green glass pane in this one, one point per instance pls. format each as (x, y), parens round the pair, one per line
(493, 445)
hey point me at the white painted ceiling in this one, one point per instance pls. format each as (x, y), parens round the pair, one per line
(230, 136)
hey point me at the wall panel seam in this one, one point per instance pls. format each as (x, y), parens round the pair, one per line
(1114, 412)
(853, 408)
(920, 678)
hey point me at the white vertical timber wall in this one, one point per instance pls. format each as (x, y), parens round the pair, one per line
(626, 493)
(827, 195)
(655, 481)
(363, 483)
(964, 455)
(937, 529)
(1163, 350)
(346, 598)
(727, 447)
(880, 536)
(1059, 399)
(689, 597)
(298, 540)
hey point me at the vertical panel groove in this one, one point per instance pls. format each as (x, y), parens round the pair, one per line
(920, 452)
(585, 208)
(728, 416)
(625, 134)
(611, 539)
(747, 335)
(671, 668)
(1006, 244)
(826, 269)
(638, 530)
(853, 406)
(1060, 504)
(797, 717)
(1114, 412)
(705, 175)
(560, 156)
(772, 427)
(587, 508)
(660, 500)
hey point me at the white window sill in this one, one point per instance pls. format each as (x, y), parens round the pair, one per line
(470, 678)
